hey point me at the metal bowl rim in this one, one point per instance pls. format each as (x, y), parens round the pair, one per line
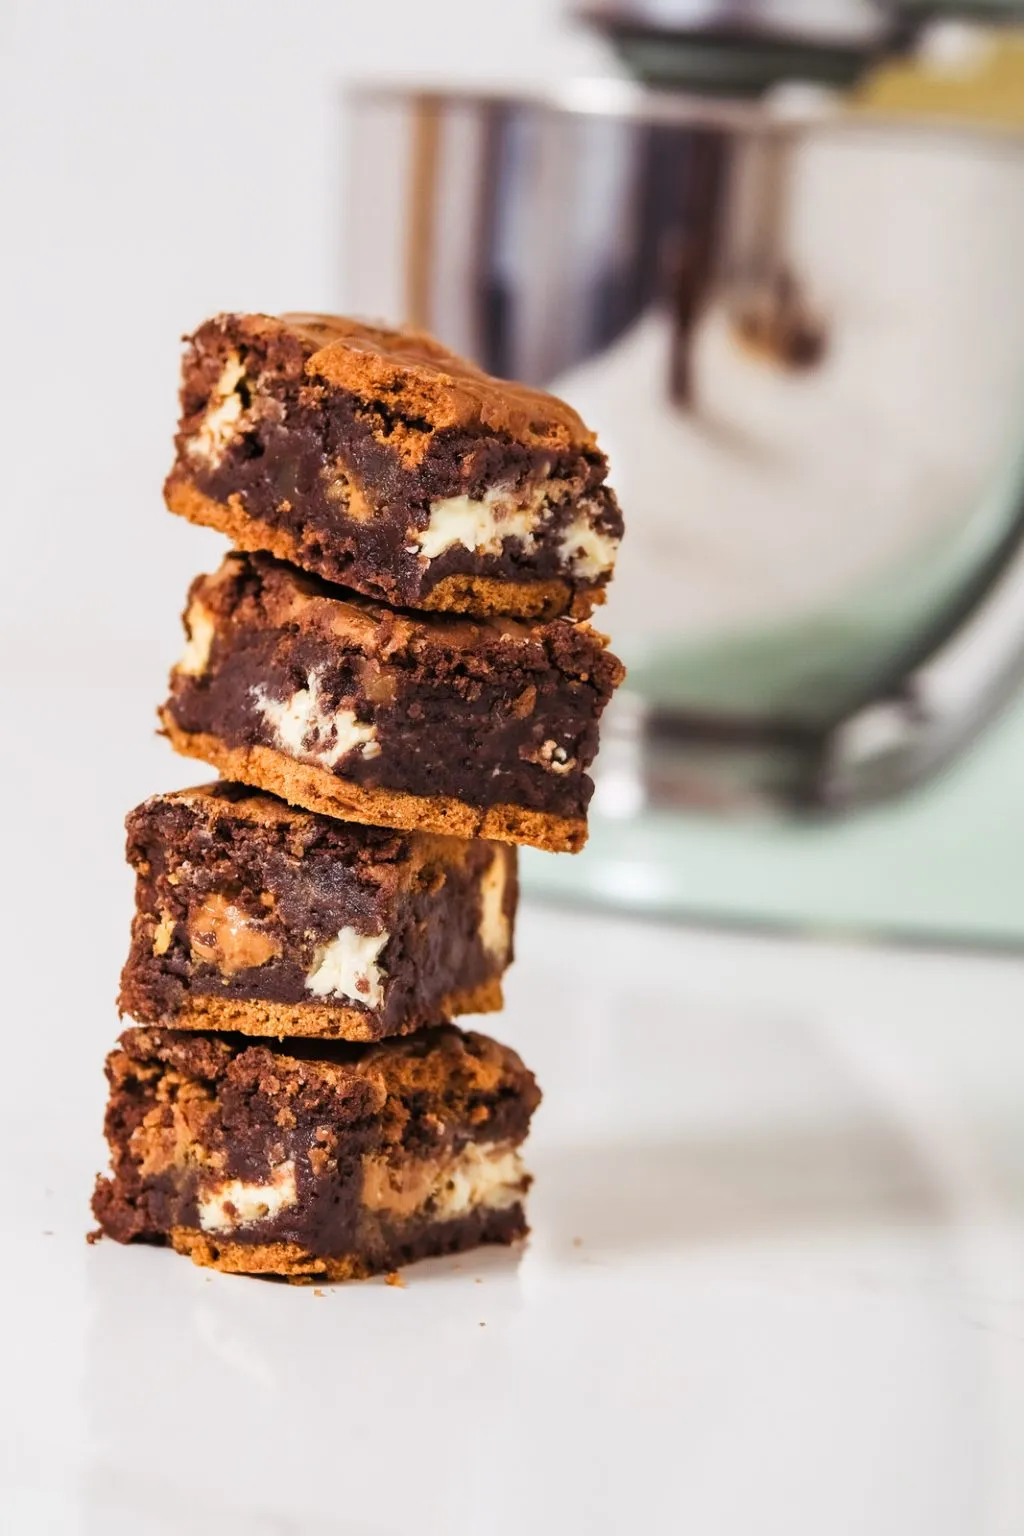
(624, 101)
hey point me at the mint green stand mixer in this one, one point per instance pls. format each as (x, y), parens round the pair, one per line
(798, 329)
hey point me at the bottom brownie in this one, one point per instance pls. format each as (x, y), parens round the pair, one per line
(317, 1161)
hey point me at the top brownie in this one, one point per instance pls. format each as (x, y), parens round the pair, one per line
(377, 459)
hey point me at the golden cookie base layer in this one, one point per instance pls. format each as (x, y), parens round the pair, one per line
(314, 789)
(287, 1261)
(488, 596)
(481, 596)
(292, 1262)
(317, 1020)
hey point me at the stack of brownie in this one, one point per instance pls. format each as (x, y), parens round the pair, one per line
(394, 673)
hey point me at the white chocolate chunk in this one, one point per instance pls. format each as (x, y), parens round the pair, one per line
(235, 1203)
(224, 413)
(347, 967)
(348, 734)
(482, 526)
(195, 658)
(587, 551)
(482, 1174)
(494, 925)
(305, 729)
(555, 758)
(163, 933)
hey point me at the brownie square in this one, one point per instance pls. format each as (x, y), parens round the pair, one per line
(256, 917)
(477, 728)
(377, 459)
(324, 1160)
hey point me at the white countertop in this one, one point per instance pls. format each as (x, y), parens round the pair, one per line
(775, 1285)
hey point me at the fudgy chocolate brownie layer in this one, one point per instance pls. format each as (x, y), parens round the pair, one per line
(329, 1160)
(474, 727)
(255, 917)
(377, 459)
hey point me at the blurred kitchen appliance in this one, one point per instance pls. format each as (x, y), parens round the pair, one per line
(741, 47)
(799, 330)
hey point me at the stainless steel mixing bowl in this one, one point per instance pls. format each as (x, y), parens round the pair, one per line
(799, 331)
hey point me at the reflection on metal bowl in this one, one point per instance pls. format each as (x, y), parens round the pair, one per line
(799, 331)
